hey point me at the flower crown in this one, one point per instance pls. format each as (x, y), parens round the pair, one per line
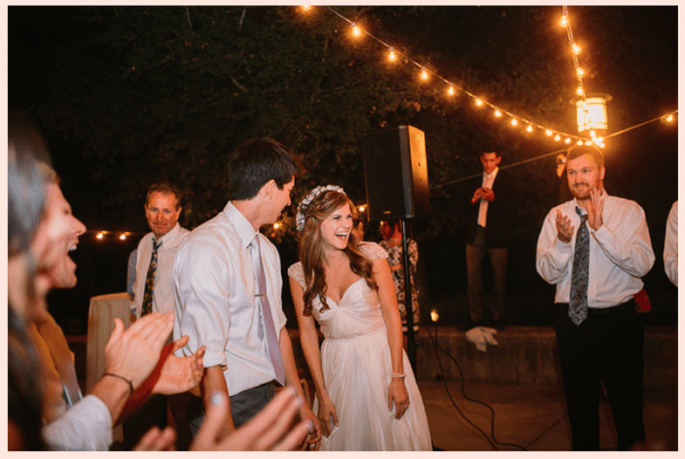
(304, 204)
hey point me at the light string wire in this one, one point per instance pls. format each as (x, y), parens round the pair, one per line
(499, 112)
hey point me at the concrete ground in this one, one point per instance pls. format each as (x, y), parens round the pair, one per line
(531, 417)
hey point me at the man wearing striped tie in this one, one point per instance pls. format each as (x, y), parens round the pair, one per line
(595, 248)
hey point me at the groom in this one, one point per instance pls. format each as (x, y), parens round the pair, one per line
(228, 282)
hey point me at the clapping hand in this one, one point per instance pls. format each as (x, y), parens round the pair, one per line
(564, 227)
(271, 429)
(174, 375)
(133, 354)
(595, 208)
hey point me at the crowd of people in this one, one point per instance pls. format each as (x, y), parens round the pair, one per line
(208, 364)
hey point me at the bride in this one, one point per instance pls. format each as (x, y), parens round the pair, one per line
(367, 396)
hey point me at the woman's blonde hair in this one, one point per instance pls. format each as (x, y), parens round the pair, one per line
(311, 251)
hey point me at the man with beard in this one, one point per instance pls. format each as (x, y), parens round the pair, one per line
(595, 249)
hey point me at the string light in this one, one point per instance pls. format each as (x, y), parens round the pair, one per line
(276, 225)
(557, 137)
(514, 122)
(498, 113)
(100, 236)
(356, 31)
(568, 140)
(452, 88)
(424, 74)
(122, 236)
(305, 8)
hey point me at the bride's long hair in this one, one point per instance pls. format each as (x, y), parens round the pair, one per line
(311, 249)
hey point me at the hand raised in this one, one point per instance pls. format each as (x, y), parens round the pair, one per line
(595, 209)
(178, 374)
(488, 194)
(134, 353)
(564, 227)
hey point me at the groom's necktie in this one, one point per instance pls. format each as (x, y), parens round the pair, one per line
(577, 306)
(263, 300)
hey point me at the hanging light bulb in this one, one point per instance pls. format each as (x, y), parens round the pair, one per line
(564, 20)
(557, 137)
(498, 113)
(450, 91)
(424, 73)
(576, 49)
(277, 225)
(580, 71)
(392, 55)
(568, 140)
(580, 91)
(305, 8)
(122, 236)
(479, 102)
(514, 122)
(580, 142)
(669, 118)
(356, 31)
(529, 128)
(100, 235)
(548, 132)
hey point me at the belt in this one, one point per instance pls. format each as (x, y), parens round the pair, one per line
(613, 310)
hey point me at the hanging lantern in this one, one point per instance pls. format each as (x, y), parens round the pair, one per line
(592, 113)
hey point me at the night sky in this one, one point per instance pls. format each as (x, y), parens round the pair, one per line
(632, 55)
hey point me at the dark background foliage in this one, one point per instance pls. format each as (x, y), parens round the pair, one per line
(127, 95)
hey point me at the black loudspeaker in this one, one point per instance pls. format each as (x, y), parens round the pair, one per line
(396, 173)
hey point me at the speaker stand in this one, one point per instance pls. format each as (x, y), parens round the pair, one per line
(411, 344)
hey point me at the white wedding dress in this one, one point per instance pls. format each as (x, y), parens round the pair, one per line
(356, 364)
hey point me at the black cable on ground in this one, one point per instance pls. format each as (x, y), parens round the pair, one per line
(463, 391)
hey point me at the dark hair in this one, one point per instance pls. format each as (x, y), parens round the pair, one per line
(580, 150)
(256, 162)
(28, 162)
(311, 249)
(164, 188)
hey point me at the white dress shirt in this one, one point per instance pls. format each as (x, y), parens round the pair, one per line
(215, 299)
(85, 427)
(488, 182)
(163, 292)
(671, 245)
(620, 253)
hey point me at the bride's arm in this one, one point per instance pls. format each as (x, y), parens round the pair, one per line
(397, 392)
(309, 339)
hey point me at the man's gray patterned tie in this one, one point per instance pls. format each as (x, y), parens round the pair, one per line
(268, 321)
(577, 305)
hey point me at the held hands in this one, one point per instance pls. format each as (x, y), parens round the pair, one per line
(397, 392)
(308, 416)
(133, 354)
(564, 228)
(327, 414)
(272, 429)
